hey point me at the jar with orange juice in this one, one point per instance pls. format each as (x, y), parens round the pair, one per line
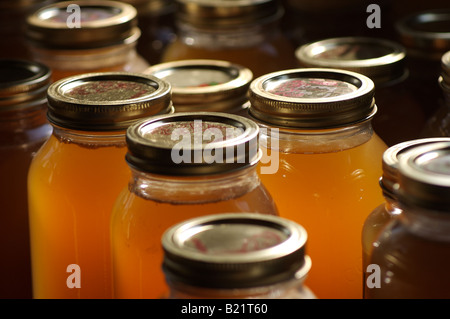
(411, 257)
(75, 37)
(236, 256)
(23, 129)
(390, 209)
(321, 163)
(245, 32)
(77, 174)
(206, 85)
(182, 165)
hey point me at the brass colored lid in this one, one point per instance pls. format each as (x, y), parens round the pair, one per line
(235, 250)
(192, 143)
(102, 23)
(205, 85)
(106, 101)
(379, 59)
(424, 177)
(312, 98)
(227, 13)
(21, 83)
(391, 156)
(426, 33)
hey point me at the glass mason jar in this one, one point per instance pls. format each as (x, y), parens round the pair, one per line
(438, 124)
(77, 174)
(426, 38)
(13, 15)
(75, 37)
(156, 19)
(243, 32)
(399, 116)
(206, 85)
(236, 256)
(390, 209)
(325, 162)
(183, 165)
(23, 129)
(411, 257)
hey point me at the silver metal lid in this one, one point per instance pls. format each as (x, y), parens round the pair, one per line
(205, 85)
(424, 177)
(235, 250)
(311, 98)
(379, 59)
(102, 23)
(106, 101)
(193, 143)
(426, 33)
(21, 83)
(390, 160)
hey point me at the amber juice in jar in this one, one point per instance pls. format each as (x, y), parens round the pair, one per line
(321, 162)
(76, 175)
(242, 32)
(206, 85)
(411, 255)
(75, 37)
(165, 189)
(23, 129)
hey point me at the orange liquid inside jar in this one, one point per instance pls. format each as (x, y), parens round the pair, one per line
(162, 193)
(102, 39)
(324, 179)
(236, 33)
(76, 176)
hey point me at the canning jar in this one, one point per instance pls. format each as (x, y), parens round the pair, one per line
(321, 163)
(76, 175)
(183, 165)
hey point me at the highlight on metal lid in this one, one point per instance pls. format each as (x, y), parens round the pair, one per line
(379, 59)
(444, 79)
(311, 98)
(21, 82)
(204, 84)
(235, 250)
(424, 177)
(106, 101)
(227, 13)
(100, 23)
(426, 33)
(193, 144)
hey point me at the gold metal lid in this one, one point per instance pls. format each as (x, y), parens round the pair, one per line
(205, 85)
(424, 177)
(426, 33)
(192, 143)
(235, 250)
(150, 7)
(227, 13)
(21, 83)
(106, 101)
(390, 161)
(379, 59)
(312, 98)
(102, 23)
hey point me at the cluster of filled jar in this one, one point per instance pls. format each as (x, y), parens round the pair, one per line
(224, 149)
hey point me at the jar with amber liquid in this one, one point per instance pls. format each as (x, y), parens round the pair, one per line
(206, 85)
(76, 37)
(77, 174)
(438, 125)
(244, 32)
(321, 163)
(390, 209)
(23, 129)
(183, 165)
(411, 257)
(236, 256)
(399, 116)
